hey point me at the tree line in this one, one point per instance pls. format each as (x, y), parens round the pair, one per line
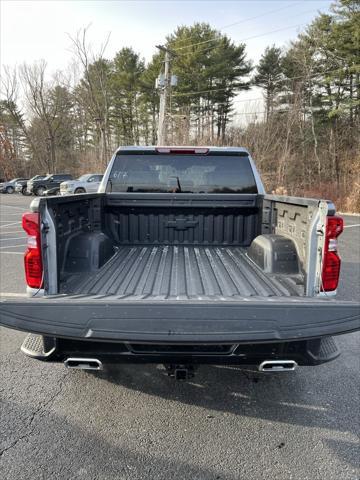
(304, 139)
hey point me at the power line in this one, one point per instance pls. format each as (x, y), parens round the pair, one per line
(252, 113)
(215, 39)
(242, 113)
(254, 36)
(187, 94)
(243, 100)
(249, 113)
(236, 114)
(237, 23)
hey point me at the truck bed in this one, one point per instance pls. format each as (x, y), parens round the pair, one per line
(167, 272)
(172, 268)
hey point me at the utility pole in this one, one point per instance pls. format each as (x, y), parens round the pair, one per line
(164, 95)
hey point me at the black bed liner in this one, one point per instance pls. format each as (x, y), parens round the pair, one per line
(182, 272)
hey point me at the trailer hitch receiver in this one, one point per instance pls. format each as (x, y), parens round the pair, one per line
(180, 372)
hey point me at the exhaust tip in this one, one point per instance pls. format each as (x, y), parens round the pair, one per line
(83, 363)
(277, 366)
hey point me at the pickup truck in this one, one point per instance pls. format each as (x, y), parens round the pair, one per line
(181, 258)
(40, 185)
(87, 183)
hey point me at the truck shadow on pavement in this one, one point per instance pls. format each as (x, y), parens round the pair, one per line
(310, 396)
(128, 421)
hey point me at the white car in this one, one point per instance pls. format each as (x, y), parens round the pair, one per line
(88, 183)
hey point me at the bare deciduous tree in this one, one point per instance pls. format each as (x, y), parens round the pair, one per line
(42, 104)
(96, 85)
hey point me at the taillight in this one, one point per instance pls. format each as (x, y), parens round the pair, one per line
(32, 257)
(331, 259)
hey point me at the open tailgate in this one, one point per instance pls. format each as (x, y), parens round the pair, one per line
(250, 320)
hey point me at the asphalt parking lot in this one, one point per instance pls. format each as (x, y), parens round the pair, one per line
(133, 422)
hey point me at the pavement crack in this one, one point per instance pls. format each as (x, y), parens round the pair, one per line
(30, 425)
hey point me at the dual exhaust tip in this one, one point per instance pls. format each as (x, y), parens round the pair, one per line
(266, 366)
(83, 363)
(277, 366)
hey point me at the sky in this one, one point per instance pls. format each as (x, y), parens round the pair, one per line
(33, 30)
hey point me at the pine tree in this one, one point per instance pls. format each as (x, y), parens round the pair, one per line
(211, 71)
(269, 76)
(127, 69)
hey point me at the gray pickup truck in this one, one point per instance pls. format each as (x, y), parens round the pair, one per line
(182, 259)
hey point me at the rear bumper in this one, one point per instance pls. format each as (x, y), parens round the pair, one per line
(303, 352)
(249, 321)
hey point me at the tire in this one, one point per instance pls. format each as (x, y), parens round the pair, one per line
(39, 192)
(24, 191)
(80, 190)
(10, 190)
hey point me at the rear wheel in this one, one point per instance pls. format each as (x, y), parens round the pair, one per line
(9, 189)
(40, 191)
(80, 190)
(24, 190)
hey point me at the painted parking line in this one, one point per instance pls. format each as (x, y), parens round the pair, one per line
(7, 232)
(10, 214)
(10, 294)
(13, 228)
(8, 229)
(8, 208)
(351, 226)
(5, 209)
(5, 235)
(11, 206)
(12, 238)
(13, 246)
(9, 224)
(8, 211)
(12, 253)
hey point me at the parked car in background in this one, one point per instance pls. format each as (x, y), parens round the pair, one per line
(38, 187)
(9, 187)
(88, 183)
(21, 186)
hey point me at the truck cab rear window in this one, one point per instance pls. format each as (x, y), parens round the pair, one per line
(182, 174)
